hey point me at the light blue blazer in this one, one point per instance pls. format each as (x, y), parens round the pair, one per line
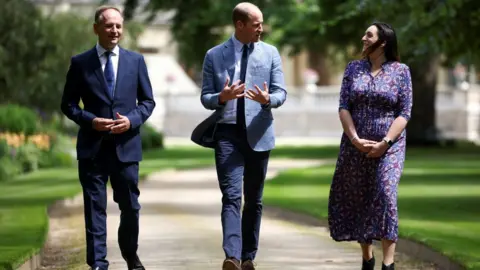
(264, 65)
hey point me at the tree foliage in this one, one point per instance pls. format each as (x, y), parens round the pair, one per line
(310, 25)
(22, 47)
(196, 26)
(35, 53)
(430, 33)
(443, 27)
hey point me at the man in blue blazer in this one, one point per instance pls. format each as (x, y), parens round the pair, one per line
(242, 81)
(109, 80)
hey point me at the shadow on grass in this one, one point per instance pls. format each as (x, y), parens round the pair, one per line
(450, 179)
(26, 234)
(459, 208)
(316, 152)
(178, 153)
(13, 202)
(300, 189)
(433, 209)
(22, 232)
(439, 198)
(305, 152)
(448, 225)
(42, 183)
(465, 152)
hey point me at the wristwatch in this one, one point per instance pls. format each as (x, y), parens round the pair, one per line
(388, 141)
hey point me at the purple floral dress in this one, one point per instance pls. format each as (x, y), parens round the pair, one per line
(363, 195)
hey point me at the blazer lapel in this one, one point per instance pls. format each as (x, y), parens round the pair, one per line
(229, 58)
(254, 60)
(97, 67)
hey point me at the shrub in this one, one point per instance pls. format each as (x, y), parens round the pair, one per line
(151, 138)
(8, 168)
(55, 158)
(22, 154)
(4, 148)
(60, 153)
(28, 156)
(18, 119)
(60, 124)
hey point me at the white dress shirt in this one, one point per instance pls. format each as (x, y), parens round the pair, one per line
(230, 112)
(103, 60)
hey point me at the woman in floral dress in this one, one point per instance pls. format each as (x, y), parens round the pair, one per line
(375, 106)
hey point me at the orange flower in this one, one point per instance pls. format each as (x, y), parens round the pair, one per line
(42, 141)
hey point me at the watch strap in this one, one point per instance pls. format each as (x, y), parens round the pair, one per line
(388, 141)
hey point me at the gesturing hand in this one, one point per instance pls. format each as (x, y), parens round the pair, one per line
(231, 92)
(260, 96)
(102, 124)
(122, 124)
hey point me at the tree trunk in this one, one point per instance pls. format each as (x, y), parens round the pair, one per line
(318, 61)
(421, 129)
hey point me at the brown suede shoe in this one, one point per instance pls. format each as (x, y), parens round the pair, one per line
(231, 264)
(248, 265)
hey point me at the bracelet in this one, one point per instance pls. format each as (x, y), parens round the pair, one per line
(354, 138)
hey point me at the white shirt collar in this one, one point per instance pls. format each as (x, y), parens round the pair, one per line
(239, 45)
(101, 50)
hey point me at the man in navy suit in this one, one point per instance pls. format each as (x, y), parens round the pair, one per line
(109, 80)
(241, 128)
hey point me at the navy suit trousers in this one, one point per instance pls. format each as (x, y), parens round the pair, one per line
(238, 165)
(94, 174)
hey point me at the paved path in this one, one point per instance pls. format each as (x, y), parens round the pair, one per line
(181, 229)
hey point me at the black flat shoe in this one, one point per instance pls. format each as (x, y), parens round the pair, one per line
(368, 265)
(133, 263)
(390, 267)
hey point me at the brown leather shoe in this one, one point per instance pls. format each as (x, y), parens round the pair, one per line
(248, 265)
(231, 264)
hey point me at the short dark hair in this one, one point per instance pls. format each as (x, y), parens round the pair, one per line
(98, 12)
(240, 13)
(386, 34)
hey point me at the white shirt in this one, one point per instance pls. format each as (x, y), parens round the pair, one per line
(103, 60)
(230, 112)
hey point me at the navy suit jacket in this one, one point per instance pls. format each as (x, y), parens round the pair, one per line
(85, 81)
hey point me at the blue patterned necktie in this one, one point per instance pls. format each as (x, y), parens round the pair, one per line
(241, 100)
(108, 72)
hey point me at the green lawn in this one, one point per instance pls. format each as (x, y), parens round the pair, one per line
(23, 204)
(24, 200)
(439, 198)
(443, 185)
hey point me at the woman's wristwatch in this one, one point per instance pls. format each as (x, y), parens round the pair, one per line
(388, 141)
